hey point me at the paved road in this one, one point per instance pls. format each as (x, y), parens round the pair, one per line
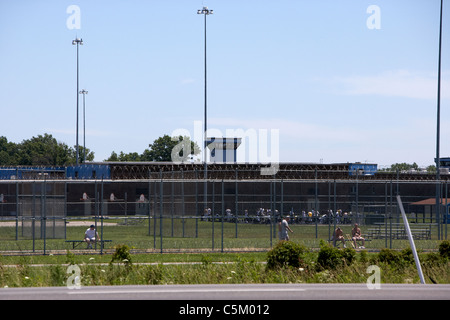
(257, 292)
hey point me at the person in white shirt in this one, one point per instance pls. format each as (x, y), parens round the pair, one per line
(283, 227)
(91, 235)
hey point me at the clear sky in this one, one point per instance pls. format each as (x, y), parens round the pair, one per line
(326, 80)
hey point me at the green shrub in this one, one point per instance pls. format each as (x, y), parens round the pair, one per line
(122, 254)
(348, 254)
(286, 254)
(70, 257)
(431, 259)
(444, 249)
(330, 257)
(206, 260)
(363, 256)
(388, 256)
(407, 256)
(397, 259)
(57, 275)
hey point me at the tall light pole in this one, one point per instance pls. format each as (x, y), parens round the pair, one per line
(77, 42)
(84, 93)
(438, 129)
(205, 11)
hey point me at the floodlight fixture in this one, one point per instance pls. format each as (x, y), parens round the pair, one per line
(205, 11)
(77, 41)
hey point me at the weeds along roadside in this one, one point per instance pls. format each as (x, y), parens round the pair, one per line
(287, 262)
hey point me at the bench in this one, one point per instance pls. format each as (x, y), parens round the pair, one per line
(338, 242)
(76, 243)
(398, 232)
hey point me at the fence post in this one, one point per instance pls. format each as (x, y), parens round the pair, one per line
(65, 209)
(385, 212)
(236, 206)
(149, 202)
(334, 206)
(316, 203)
(44, 214)
(101, 220)
(271, 209)
(213, 213)
(33, 221)
(17, 209)
(155, 203)
(161, 209)
(223, 209)
(196, 203)
(182, 200)
(172, 197)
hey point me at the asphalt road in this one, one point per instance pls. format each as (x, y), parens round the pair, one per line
(259, 292)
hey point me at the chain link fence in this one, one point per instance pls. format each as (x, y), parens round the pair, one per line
(193, 215)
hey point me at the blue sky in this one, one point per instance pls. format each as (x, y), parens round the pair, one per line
(311, 74)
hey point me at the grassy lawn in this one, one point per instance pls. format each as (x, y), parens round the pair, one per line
(185, 235)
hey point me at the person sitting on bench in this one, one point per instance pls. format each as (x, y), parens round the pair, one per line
(356, 235)
(91, 235)
(338, 235)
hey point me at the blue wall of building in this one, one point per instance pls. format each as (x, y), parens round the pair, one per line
(23, 173)
(89, 171)
(362, 169)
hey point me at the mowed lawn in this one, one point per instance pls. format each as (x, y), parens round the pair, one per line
(181, 234)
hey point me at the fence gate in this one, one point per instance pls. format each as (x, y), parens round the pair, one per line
(42, 209)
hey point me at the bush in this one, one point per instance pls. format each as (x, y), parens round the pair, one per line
(122, 254)
(363, 256)
(331, 258)
(388, 256)
(444, 249)
(286, 254)
(394, 258)
(407, 256)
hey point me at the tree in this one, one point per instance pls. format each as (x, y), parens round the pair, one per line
(164, 148)
(113, 157)
(159, 150)
(403, 167)
(406, 167)
(8, 152)
(130, 157)
(72, 154)
(43, 150)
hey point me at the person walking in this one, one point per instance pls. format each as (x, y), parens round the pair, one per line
(283, 228)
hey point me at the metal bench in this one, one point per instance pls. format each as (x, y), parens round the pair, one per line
(76, 243)
(338, 242)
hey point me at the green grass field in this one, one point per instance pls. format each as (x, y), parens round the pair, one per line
(181, 235)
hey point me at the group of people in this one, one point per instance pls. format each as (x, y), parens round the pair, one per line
(91, 235)
(356, 236)
(283, 235)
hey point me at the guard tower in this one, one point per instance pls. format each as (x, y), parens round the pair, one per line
(223, 150)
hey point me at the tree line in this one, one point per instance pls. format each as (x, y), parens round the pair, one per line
(42, 150)
(410, 168)
(45, 150)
